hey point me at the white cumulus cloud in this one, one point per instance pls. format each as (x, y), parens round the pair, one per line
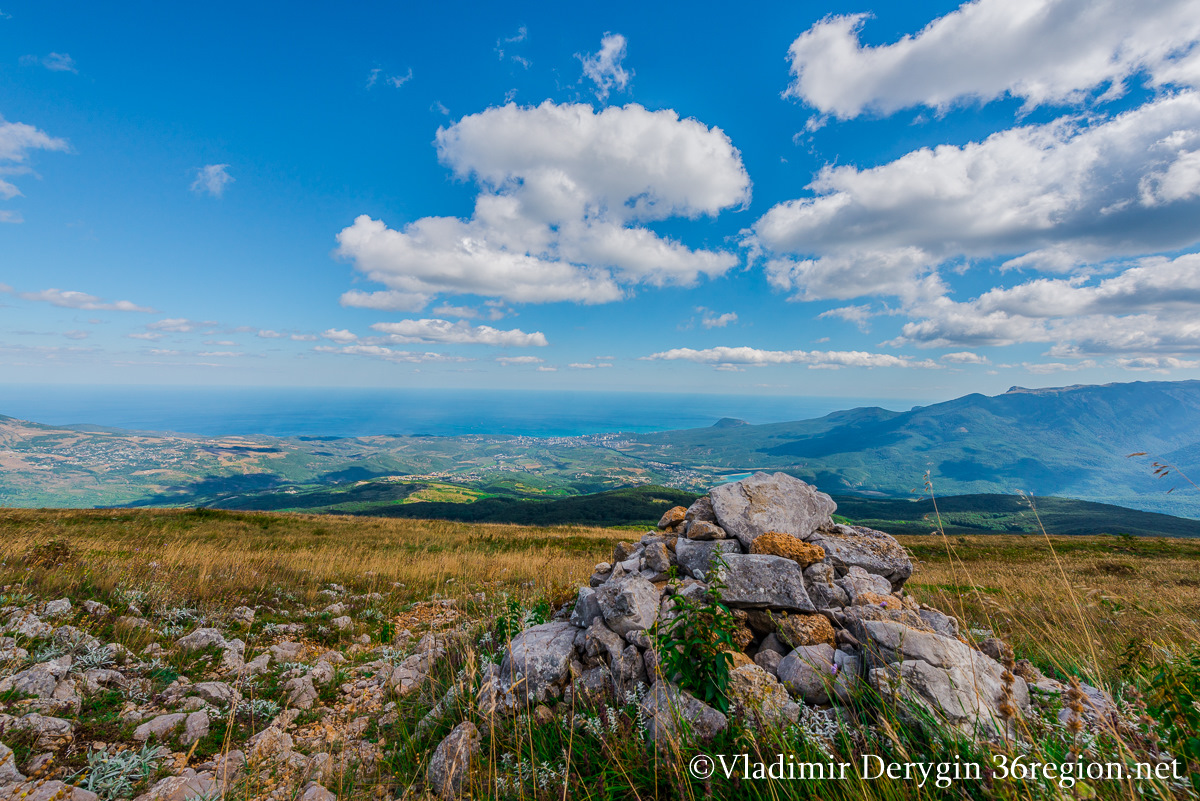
(563, 192)
(1042, 51)
(460, 333)
(1050, 197)
(17, 141)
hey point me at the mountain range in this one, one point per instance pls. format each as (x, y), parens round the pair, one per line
(1072, 442)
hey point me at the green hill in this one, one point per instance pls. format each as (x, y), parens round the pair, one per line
(1069, 441)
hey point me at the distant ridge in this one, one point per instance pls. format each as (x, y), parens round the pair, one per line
(729, 422)
(1068, 441)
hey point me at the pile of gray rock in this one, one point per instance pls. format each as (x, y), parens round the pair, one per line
(821, 613)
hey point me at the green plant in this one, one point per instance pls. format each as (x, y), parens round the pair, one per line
(116, 776)
(694, 647)
(1174, 701)
(516, 618)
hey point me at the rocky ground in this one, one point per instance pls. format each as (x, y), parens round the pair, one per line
(121, 698)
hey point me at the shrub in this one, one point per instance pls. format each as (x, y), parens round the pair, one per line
(52, 553)
(694, 648)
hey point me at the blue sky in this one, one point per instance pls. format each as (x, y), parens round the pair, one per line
(847, 199)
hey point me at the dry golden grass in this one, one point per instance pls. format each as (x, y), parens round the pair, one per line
(1072, 601)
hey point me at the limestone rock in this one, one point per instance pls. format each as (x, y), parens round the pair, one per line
(538, 660)
(160, 727)
(587, 608)
(873, 551)
(49, 791)
(695, 556)
(95, 608)
(946, 677)
(823, 588)
(776, 543)
(315, 792)
(658, 558)
(301, 694)
(666, 706)
(701, 510)
(200, 639)
(808, 673)
(628, 603)
(765, 502)
(758, 697)
(672, 516)
(243, 615)
(184, 787)
(769, 660)
(57, 608)
(858, 582)
(195, 727)
(705, 531)
(798, 630)
(8, 767)
(41, 680)
(451, 761)
(764, 582)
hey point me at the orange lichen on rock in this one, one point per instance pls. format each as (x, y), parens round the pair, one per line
(798, 630)
(776, 543)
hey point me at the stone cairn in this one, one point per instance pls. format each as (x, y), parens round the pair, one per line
(820, 607)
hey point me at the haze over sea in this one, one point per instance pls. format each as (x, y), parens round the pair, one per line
(349, 412)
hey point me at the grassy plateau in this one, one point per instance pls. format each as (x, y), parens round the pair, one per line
(1111, 610)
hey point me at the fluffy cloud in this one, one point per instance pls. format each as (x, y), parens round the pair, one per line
(812, 358)
(1147, 308)
(460, 333)
(507, 360)
(17, 141)
(604, 68)
(562, 192)
(212, 179)
(389, 354)
(1054, 195)
(1043, 51)
(70, 299)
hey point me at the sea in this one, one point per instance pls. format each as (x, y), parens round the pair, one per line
(346, 412)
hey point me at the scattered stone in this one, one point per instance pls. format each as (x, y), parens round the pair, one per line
(96, 609)
(451, 761)
(201, 639)
(8, 767)
(301, 694)
(315, 792)
(701, 510)
(57, 608)
(41, 790)
(342, 623)
(160, 726)
(243, 615)
(195, 727)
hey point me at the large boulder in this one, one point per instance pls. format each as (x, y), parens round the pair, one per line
(628, 604)
(538, 660)
(758, 581)
(40, 680)
(945, 677)
(766, 502)
(858, 546)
